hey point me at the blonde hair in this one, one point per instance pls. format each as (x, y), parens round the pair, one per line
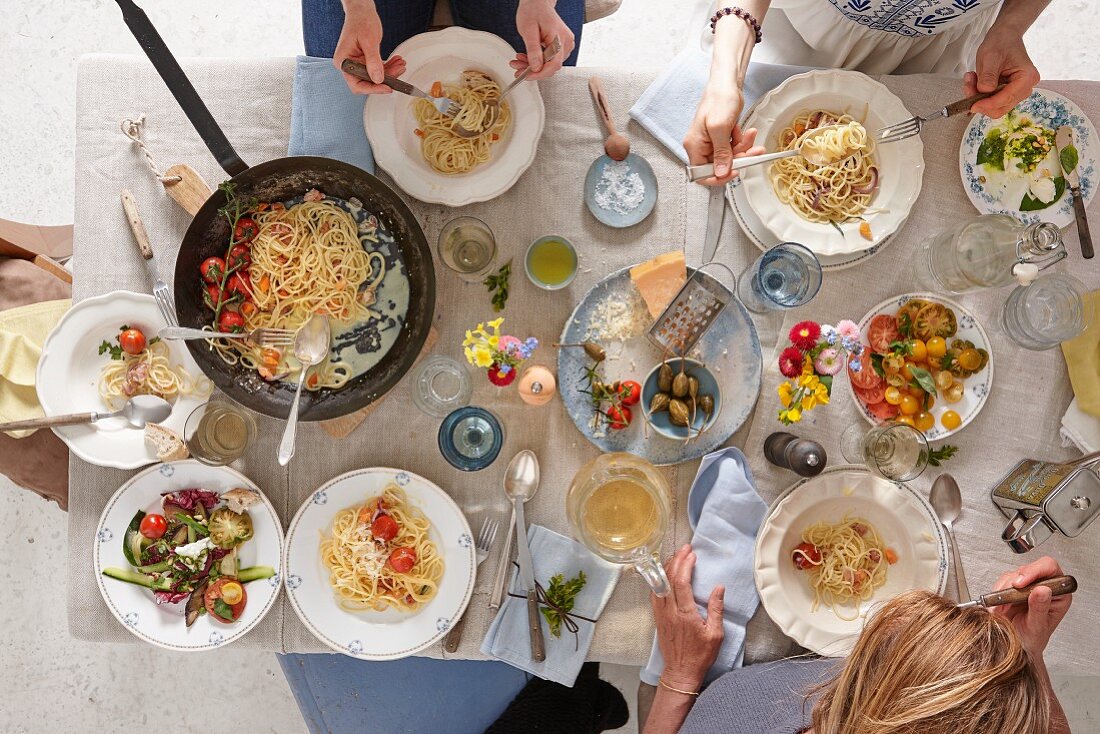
(924, 666)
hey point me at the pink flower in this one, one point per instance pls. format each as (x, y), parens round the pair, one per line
(509, 345)
(848, 330)
(790, 362)
(805, 334)
(828, 362)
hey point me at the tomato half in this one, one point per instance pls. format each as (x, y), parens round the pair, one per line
(214, 593)
(866, 378)
(245, 231)
(805, 555)
(231, 322)
(153, 526)
(883, 411)
(212, 269)
(882, 332)
(132, 341)
(402, 559)
(384, 528)
(871, 395)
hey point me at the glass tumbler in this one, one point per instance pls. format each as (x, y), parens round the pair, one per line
(1046, 313)
(898, 452)
(219, 432)
(440, 385)
(786, 276)
(467, 246)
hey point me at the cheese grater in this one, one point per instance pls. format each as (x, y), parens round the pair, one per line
(694, 309)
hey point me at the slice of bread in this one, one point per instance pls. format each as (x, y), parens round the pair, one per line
(168, 444)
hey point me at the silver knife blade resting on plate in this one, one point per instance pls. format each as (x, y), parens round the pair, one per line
(527, 578)
(716, 209)
(1068, 158)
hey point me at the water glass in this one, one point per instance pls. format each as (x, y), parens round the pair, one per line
(218, 432)
(467, 246)
(470, 438)
(440, 385)
(1046, 313)
(786, 276)
(898, 452)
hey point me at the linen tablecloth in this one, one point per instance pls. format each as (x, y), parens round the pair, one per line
(1021, 419)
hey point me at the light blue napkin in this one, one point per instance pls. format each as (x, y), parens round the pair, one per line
(724, 544)
(326, 119)
(667, 107)
(508, 638)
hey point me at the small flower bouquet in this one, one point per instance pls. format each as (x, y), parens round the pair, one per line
(500, 354)
(817, 352)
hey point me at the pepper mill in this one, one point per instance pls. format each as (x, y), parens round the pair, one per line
(802, 456)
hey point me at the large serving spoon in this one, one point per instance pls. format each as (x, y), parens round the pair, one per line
(706, 170)
(521, 481)
(311, 345)
(137, 411)
(946, 500)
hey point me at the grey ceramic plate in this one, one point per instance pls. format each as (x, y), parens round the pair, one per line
(611, 217)
(730, 349)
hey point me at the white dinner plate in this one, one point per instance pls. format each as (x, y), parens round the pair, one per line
(901, 164)
(1052, 110)
(163, 624)
(67, 380)
(374, 635)
(443, 56)
(905, 521)
(977, 385)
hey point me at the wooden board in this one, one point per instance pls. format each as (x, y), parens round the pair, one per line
(191, 192)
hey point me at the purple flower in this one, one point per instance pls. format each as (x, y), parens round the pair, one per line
(855, 365)
(849, 345)
(504, 369)
(829, 334)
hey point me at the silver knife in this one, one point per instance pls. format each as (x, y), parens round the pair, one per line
(527, 578)
(1058, 585)
(716, 209)
(1064, 139)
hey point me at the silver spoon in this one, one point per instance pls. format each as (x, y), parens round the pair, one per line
(137, 411)
(706, 170)
(511, 478)
(311, 346)
(521, 481)
(947, 502)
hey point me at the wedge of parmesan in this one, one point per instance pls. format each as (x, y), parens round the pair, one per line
(660, 279)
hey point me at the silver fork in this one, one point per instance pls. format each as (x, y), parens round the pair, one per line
(549, 51)
(261, 337)
(446, 106)
(485, 540)
(161, 294)
(912, 126)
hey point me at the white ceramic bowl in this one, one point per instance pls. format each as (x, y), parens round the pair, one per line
(443, 56)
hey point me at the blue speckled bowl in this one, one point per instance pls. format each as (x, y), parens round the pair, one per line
(660, 422)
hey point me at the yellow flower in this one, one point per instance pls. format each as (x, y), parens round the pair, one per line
(784, 391)
(495, 325)
(493, 341)
(794, 415)
(809, 401)
(469, 355)
(807, 365)
(822, 394)
(483, 357)
(810, 382)
(469, 340)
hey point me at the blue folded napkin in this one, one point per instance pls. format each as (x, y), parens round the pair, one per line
(508, 639)
(667, 107)
(326, 119)
(724, 544)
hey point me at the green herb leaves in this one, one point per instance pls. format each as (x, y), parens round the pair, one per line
(936, 457)
(562, 594)
(223, 610)
(114, 349)
(1067, 156)
(924, 379)
(497, 284)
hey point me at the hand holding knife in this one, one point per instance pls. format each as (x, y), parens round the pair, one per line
(1058, 586)
(1068, 159)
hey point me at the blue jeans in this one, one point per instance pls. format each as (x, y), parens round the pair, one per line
(322, 21)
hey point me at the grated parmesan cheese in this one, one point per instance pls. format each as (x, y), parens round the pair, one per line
(616, 318)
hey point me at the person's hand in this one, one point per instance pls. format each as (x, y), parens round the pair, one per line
(688, 643)
(714, 134)
(360, 40)
(538, 23)
(1036, 621)
(1002, 58)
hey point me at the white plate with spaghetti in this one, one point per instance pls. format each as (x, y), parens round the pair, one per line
(163, 624)
(894, 187)
(902, 519)
(71, 371)
(345, 574)
(392, 123)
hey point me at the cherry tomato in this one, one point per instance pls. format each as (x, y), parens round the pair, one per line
(211, 296)
(215, 592)
(894, 379)
(924, 421)
(240, 257)
(153, 526)
(805, 555)
(619, 417)
(937, 347)
(631, 392)
(232, 593)
(916, 391)
(132, 341)
(929, 401)
(212, 269)
(954, 392)
(245, 231)
(970, 360)
(892, 395)
(230, 322)
(402, 559)
(239, 283)
(384, 528)
(918, 350)
(950, 420)
(909, 405)
(906, 372)
(892, 364)
(906, 419)
(944, 379)
(883, 331)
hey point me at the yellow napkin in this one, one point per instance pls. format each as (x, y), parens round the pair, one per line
(1083, 358)
(22, 333)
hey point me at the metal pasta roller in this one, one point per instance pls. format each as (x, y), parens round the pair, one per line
(1040, 498)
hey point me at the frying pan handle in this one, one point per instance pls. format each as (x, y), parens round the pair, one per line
(180, 87)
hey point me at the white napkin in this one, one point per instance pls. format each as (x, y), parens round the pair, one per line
(724, 544)
(1080, 429)
(508, 638)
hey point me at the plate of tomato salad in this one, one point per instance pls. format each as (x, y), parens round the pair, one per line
(927, 362)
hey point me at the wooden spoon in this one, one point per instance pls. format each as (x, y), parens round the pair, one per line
(616, 146)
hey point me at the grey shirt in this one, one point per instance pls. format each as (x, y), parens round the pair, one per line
(770, 698)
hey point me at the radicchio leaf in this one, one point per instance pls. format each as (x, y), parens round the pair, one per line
(188, 498)
(170, 597)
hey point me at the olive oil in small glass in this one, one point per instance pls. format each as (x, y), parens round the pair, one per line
(551, 262)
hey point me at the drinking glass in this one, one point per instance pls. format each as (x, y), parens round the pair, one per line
(470, 438)
(1046, 313)
(786, 276)
(218, 432)
(440, 385)
(619, 506)
(898, 452)
(468, 247)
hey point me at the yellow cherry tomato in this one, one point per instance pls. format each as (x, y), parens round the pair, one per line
(916, 391)
(944, 379)
(232, 593)
(918, 350)
(929, 402)
(936, 347)
(906, 372)
(893, 395)
(909, 405)
(970, 360)
(906, 419)
(892, 363)
(924, 421)
(894, 379)
(954, 392)
(950, 420)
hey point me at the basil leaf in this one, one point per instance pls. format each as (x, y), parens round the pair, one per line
(876, 364)
(924, 379)
(1068, 157)
(223, 610)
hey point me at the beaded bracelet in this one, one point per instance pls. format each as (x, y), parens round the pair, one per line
(742, 14)
(661, 682)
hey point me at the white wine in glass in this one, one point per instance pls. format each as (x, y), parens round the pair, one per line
(898, 452)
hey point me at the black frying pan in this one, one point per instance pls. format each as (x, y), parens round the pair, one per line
(281, 180)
